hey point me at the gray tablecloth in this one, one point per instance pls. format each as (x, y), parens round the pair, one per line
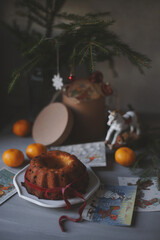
(20, 219)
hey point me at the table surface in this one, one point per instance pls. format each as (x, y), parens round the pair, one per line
(20, 219)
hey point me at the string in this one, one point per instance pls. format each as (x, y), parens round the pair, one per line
(62, 190)
(57, 52)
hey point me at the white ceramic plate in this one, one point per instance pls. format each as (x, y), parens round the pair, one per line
(94, 183)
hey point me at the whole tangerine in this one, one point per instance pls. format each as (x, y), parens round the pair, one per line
(22, 128)
(125, 156)
(35, 149)
(13, 157)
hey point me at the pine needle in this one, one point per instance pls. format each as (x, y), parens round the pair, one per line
(92, 57)
(12, 84)
(84, 52)
(101, 47)
(22, 71)
(30, 51)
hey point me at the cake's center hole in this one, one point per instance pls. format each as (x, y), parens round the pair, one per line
(56, 163)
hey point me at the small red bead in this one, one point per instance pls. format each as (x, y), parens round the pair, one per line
(72, 78)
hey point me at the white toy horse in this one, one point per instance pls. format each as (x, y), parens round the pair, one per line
(119, 123)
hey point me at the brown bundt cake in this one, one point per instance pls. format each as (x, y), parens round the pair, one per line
(51, 173)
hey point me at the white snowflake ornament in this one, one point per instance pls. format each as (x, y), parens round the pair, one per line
(57, 82)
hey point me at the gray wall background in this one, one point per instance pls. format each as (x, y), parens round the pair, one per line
(137, 23)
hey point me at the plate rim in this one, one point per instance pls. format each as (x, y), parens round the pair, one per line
(54, 203)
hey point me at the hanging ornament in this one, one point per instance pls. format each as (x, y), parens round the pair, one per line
(57, 80)
(96, 77)
(106, 89)
(71, 78)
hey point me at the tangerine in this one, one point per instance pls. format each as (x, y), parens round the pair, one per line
(35, 149)
(13, 157)
(125, 156)
(22, 128)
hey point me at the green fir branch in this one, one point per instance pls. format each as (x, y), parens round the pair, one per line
(64, 26)
(83, 39)
(148, 160)
(146, 173)
(84, 52)
(32, 65)
(22, 71)
(92, 57)
(98, 14)
(101, 47)
(34, 13)
(77, 21)
(30, 4)
(85, 18)
(58, 5)
(13, 82)
(36, 20)
(71, 17)
(35, 47)
(136, 58)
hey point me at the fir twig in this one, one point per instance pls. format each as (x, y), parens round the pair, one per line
(13, 82)
(31, 51)
(91, 54)
(30, 4)
(148, 161)
(101, 47)
(84, 52)
(23, 70)
(34, 13)
(136, 58)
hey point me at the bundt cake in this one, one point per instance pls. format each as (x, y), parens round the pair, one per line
(54, 174)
